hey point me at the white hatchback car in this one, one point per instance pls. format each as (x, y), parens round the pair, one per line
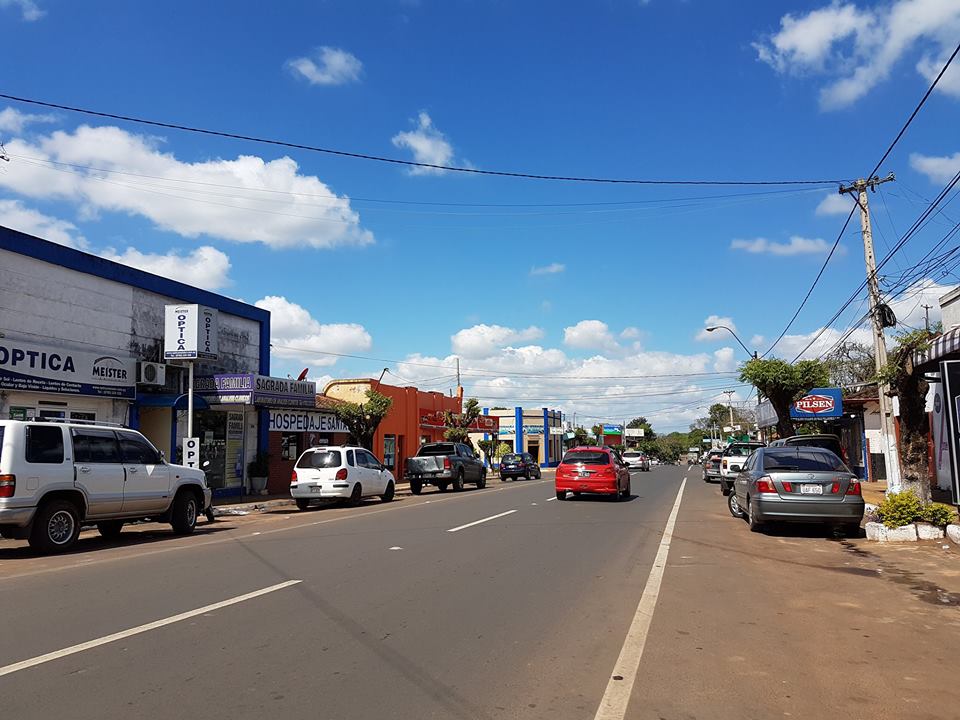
(339, 472)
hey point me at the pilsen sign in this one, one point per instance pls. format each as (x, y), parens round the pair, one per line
(818, 403)
(437, 419)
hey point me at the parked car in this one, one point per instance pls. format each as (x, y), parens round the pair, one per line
(445, 464)
(828, 442)
(797, 483)
(519, 465)
(339, 472)
(711, 465)
(591, 469)
(732, 460)
(636, 460)
(56, 476)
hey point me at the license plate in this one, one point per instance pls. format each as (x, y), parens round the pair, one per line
(316, 488)
(811, 489)
(583, 473)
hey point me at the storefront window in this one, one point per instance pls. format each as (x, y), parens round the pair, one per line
(289, 446)
(389, 451)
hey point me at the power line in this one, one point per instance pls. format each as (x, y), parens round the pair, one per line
(885, 155)
(398, 161)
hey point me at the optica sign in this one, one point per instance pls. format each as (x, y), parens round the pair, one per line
(818, 403)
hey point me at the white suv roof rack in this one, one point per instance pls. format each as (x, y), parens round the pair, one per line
(68, 421)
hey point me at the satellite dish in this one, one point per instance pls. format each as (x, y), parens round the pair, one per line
(303, 376)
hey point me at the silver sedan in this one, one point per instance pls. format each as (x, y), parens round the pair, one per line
(797, 484)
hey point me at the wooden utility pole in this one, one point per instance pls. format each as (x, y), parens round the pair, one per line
(887, 431)
(926, 316)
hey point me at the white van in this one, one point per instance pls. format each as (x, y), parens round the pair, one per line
(55, 476)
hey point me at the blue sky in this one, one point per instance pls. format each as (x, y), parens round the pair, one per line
(524, 280)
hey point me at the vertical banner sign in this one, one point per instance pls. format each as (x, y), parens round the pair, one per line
(950, 377)
(234, 453)
(191, 452)
(190, 333)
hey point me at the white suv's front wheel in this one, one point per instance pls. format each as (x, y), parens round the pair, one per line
(184, 515)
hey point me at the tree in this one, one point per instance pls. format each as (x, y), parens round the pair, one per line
(581, 437)
(782, 383)
(597, 431)
(907, 383)
(362, 420)
(458, 425)
(851, 364)
(488, 448)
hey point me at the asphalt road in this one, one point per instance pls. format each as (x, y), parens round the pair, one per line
(415, 609)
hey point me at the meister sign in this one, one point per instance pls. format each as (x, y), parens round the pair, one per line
(190, 333)
(26, 365)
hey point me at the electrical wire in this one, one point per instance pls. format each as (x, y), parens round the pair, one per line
(396, 161)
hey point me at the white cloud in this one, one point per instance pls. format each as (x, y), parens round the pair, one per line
(711, 321)
(14, 121)
(550, 269)
(484, 340)
(590, 334)
(937, 169)
(724, 360)
(205, 267)
(427, 144)
(857, 49)
(797, 246)
(328, 66)
(29, 10)
(247, 199)
(630, 333)
(17, 216)
(757, 340)
(296, 335)
(834, 204)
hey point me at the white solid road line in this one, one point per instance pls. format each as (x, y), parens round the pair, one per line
(613, 706)
(477, 522)
(90, 644)
(551, 498)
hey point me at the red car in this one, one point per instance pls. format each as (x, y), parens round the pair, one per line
(592, 470)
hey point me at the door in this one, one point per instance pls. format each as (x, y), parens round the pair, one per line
(372, 482)
(471, 468)
(98, 469)
(147, 486)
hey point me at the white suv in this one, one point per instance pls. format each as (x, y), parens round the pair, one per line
(343, 472)
(56, 476)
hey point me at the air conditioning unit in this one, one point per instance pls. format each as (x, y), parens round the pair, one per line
(151, 373)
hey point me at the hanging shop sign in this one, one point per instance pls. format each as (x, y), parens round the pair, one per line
(27, 365)
(253, 389)
(190, 333)
(817, 404)
(303, 421)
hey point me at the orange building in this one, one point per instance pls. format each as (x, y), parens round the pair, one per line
(407, 426)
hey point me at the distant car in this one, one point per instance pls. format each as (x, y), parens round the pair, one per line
(711, 465)
(591, 469)
(797, 483)
(828, 442)
(339, 472)
(654, 461)
(445, 464)
(636, 460)
(732, 460)
(519, 465)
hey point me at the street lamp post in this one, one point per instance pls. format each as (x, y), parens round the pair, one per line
(751, 353)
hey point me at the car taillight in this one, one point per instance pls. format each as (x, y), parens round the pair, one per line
(293, 477)
(724, 463)
(341, 474)
(765, 485)
(8, 485)
(787, 487)
(446, 463)
(854, 488)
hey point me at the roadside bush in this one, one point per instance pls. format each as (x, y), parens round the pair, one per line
(900, 509)
(939, 514)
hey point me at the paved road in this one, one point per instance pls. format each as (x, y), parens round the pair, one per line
(526, 615)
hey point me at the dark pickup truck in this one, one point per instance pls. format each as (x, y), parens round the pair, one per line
(444, 464)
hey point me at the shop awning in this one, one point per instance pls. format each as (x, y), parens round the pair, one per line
(177, 402)
(942, 346)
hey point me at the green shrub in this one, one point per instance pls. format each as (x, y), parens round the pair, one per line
(939, 514)
(899, 509)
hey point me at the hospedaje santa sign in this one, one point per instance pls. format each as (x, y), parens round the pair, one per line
(818, 404)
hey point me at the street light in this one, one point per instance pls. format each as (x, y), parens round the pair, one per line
(751, 353)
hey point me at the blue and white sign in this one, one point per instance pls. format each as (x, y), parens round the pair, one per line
(301, 421)
(190, 333)
(26, 365)
(817, 404)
